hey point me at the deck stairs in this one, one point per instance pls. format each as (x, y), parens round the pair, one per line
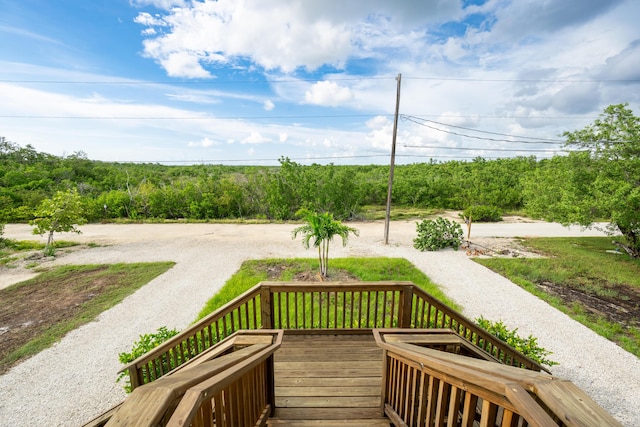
(328, 380)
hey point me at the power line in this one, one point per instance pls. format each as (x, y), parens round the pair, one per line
(487, 149)
(461, 79)
(190, 82)
(316, 116)
(362, 78)
(480, 137)
(406, 117)
(319, 116)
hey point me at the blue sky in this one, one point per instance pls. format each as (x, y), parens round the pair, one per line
(250, 81)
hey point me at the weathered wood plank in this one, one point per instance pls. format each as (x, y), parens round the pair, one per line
(327, 413)
(327, 381)
(338, 391)
(327, 401)
(323, 365)
(382, 422)
(335, 373)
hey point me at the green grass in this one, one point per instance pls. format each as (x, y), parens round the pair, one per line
(584, 265)
(253, 272)
(379, 212)
(123, 280)
(10, 249)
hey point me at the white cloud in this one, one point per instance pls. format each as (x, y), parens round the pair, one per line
(283, 137)
(160, 4)
(184, 64)
(285, 35)
(255, 138)
(268, 105)
(204, 143)
(328, 93)
(149, 20)
(380, 133)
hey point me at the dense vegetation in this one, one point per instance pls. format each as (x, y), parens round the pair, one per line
(207, 192)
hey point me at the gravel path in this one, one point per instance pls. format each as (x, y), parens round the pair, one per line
(74, 380)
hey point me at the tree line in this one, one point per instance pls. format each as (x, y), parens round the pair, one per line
(211, 192)
(599, 180)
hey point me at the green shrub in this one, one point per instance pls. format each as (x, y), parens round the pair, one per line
(527, 346)
(145, 343)
(437, 234)
(482, 213)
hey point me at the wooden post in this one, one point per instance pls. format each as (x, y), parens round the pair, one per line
(134, 377)
(271, 385)
(405, 307)
(266, 307)
(391, 167)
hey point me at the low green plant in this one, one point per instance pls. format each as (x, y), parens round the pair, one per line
(145, 343)
(437, 234)
(527, 346)
(482, 213)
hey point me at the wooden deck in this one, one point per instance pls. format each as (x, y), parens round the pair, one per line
(328, 379)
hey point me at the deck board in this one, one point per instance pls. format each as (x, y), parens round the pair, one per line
(328, 377)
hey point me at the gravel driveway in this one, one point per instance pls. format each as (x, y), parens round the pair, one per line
(74, 380)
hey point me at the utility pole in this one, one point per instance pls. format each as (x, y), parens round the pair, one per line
(393, 161)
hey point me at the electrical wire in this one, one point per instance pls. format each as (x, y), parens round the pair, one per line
(487, 149)
(406, 117)
(272, 80)
(482, 138)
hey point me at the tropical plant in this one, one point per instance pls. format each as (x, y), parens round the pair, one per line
(321, 228)
(59, 214)
(527, 346)
(145, 343)
(437, 234)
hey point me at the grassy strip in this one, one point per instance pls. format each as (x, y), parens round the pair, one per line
(123, 280)
(580, 263)
(379, 212)
(253, 272)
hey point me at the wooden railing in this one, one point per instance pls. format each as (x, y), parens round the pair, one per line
(309, 306)
(229, 385)
(426, 387)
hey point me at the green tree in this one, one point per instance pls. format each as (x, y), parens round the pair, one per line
(321, 228)
(59, 214)
(599, 182)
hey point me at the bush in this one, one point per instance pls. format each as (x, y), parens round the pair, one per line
(527, 346)
(482, 213)
(437, 234)
(144, 344)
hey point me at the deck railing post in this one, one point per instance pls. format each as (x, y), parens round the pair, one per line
(266, 307)
(271, 385)
(404, 314)
(134, 377)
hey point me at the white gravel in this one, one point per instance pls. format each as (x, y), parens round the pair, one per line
(74, 381)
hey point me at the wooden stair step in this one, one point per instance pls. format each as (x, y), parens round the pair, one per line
(329, 414)
(379, 422)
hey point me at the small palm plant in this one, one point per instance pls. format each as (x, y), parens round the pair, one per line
(321, 228)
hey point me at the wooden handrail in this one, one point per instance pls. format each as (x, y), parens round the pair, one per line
(167, 400)
(445, 317)
(308, 306)
(238, 314)
(423, 387)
